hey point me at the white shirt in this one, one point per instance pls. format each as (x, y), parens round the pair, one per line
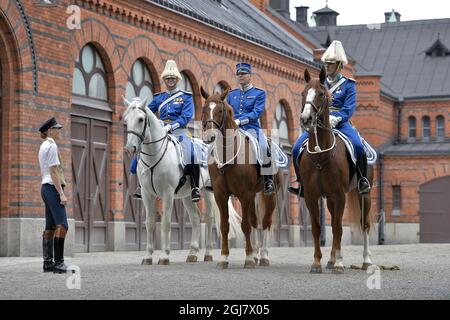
(48, 157)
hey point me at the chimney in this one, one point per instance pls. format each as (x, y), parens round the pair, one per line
(326, 17)
(302, 15)
(392, 16)
(281, 6)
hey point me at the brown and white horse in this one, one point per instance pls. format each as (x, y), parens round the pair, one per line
(234, 171)
(325, 172)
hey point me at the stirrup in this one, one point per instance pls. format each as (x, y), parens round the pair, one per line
(195, 194)
(367, 188)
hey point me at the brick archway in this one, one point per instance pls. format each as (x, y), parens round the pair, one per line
(284, 94)
(221, 72)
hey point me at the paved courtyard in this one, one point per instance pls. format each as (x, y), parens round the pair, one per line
(424, 274)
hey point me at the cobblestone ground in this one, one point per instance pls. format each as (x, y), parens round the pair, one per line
(424, 274)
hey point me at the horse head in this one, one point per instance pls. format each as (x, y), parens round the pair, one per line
(315, 102)
(135, 118)
(217, 115)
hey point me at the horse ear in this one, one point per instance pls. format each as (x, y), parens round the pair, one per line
(224, 93)
(307, 76)
(322, 75)
(126, 101)
(204, 93)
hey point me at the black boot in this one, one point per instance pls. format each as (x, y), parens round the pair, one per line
(269, 186)
(361, 171)
(208, 186)
(193, 170)
(299, 190)
(59, 267)
(137, 193)
(47, 253)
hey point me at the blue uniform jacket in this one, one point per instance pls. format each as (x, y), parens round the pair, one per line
(248, 106)
(177, 112)
(344, 99)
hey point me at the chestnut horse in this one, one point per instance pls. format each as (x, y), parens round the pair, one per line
(325, 172)
(235, 172)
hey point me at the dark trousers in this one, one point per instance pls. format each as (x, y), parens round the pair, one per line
(55, 212)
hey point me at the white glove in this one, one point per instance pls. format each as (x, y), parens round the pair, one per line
(238, 122)
(167, 128)
(334, 121)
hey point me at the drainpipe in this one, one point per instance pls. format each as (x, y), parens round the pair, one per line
(399, 106)
(381, 215)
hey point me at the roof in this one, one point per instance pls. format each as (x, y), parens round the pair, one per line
(417, 149)
(241, 19)
(397, 51)
(326, 9)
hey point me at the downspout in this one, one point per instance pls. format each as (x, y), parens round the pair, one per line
(381, 215)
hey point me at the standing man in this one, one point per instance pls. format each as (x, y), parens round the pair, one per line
(52, 192)
(248, 103)
(343, 91)
(176, 108)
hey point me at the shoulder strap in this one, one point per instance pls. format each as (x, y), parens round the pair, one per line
(169, 99)
(337, 85)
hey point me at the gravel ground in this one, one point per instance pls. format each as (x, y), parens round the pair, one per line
(424, 274)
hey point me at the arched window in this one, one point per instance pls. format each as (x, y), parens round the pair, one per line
(185, 84)
(280, 122)
(140, 83)
(412, 127)
(89, 77)
(440, 127)
(426, 127)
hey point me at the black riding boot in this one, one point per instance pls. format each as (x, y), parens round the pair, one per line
(59, 267)
(47, 253)
(361, 171)
(193, 170)
(299, 190)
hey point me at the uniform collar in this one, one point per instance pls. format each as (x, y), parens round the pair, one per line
(331, 82)
(247, 87)
(174, 91)
(50, 140)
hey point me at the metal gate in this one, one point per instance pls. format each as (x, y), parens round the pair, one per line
(90, 151)
(434, 211)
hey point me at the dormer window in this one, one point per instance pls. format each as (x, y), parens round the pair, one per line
(438, 49)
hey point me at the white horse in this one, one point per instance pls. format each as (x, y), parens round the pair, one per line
(159, 171)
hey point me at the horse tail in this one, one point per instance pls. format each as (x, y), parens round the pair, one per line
(234, 219)
(354, 206)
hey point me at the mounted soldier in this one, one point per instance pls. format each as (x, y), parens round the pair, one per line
(176, 108)
(248, 103)
(343, 91)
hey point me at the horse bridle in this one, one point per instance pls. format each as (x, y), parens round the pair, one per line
(142, 135)
(221, 125)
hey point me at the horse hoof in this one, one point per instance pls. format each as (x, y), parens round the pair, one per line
(222, 265)
(208, 258)
(147, 262)
(250, 264)
(264, 263)
(316, 269)
(164, 262)
(338, 270)
(366, 266)
(191, 259)
(330, 265)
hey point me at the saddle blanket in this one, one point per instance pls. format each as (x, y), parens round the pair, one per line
(200, 149)
(280, 159)
(370, 152)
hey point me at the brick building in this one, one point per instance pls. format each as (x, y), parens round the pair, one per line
(51, 66)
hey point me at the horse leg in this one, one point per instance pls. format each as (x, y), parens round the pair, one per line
(209, 219)
(269, 207)
(256, 244)
(150, 208)
(248, 210)
(338, 212)
(366, 227)
(313, 207)
(332, 261)
(165, 228)
(194, 217)
(222, 202)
